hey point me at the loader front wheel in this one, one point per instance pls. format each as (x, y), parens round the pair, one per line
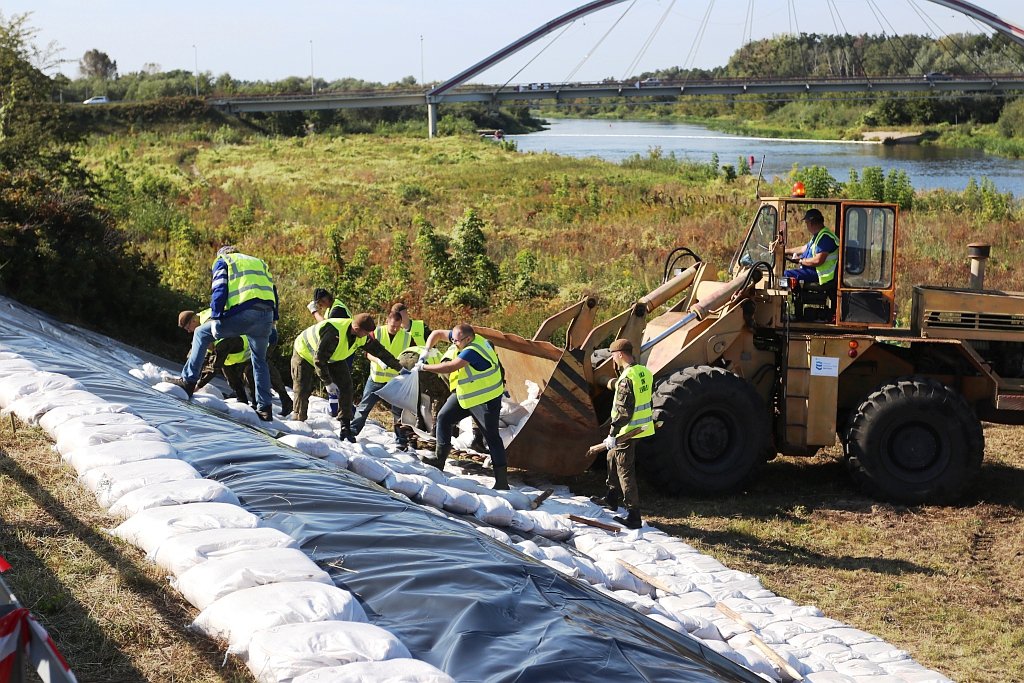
(913, 441)
(714, 430)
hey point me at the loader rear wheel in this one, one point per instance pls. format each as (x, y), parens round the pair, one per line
(913, 441)
(714, 431)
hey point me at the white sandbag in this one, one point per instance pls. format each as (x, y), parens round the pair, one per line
(496, 534)
(377, 451)
(471, 485)
(299, 427)
(517, 499)
(284, 652)
(751, 659)
(685, 602)
(402, 391)
(432, 494)
(528, 547)
(589, 571)
(520, 523)
(209, 390)
(368, 468)
(107, 433)
(568, 570)
(150, 374)
(557, 553)
(22, 384)
(61, 414)
(172, 493)
(180, 553)
(15, 365)
(828, 677)
(879, 652)
(31, 408)
(325, 434)
(210, 402)
(338, 458)
(458, 501)
(669, 622)
(149, 528)
(308, 445)
(172, 390)
(111, 482)
(620, 579)
(388, 671)
(547, 525)
(320, 421)
(494, 511)
(406, 484)
(237, 616)
(117, 453)
(77, 429)
(218, 576)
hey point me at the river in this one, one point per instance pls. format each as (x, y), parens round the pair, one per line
(928, 167)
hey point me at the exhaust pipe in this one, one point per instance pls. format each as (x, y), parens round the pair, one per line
(978, 253)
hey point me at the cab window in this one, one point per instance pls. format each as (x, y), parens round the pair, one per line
(758, 246)
(868, 247)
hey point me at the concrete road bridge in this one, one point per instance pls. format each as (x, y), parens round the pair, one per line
(458, 89)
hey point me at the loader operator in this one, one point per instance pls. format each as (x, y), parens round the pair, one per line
(479, 384)
(321, 350)
(395, 339)
(818, 258)
(243, 301)
(631, 412)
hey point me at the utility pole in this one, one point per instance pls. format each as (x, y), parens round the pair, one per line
(423, 81)
(195, 57)
(312, 90)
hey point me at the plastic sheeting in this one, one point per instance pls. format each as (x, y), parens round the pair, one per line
(474, 608)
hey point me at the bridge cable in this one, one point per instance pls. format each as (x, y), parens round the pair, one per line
(996, 35)
(647, 43)
(532, 59)
(598, 43)
(793, 21)
(695, 46)
(928, 20)
(837, 21)
(879, 17)
(748, 23)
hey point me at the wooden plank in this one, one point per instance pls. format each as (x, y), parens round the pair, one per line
(536, 502)
(595, 523)
(652, 581)
(771, 654)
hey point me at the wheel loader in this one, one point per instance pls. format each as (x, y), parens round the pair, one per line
(764, 364)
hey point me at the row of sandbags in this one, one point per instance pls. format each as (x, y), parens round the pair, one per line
(820, 649)
(256, 590)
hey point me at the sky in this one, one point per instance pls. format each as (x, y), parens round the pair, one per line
(387, 40)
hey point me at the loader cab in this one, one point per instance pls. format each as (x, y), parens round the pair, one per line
(863, 292)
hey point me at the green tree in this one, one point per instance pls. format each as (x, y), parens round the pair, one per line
(97, 65)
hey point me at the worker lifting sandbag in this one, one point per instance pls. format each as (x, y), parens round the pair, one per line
(402, 391)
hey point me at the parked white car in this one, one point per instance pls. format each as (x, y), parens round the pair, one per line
(98, 99)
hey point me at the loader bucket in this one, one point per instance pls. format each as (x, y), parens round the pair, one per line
(564, 424)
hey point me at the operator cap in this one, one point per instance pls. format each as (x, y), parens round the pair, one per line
(621, 345)
(813, 215)
(184, 318)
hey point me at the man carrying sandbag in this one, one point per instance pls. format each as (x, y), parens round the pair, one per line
(321, 350)
(395, 339)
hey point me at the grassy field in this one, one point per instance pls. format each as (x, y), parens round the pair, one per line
(943, 583)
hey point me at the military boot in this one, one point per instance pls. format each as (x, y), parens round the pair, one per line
(345, 432)
(440, 457)
(631, 520)
(500, 478)
(287, 405)
(187, 386)
(610, 500)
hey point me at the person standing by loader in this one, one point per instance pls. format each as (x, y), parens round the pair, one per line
(479, 384)
(321, 350)
(631, 414)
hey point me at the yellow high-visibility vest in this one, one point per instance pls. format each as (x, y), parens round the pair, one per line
(643, 390)
(379, 372)
(308, 341)
(248, 279)
(826, 270)
(476, 387)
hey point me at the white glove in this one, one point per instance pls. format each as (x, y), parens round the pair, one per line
(609, 442)
(332, 389)
(311, 306)
(215, 328)
(418, 366)
(424, 357)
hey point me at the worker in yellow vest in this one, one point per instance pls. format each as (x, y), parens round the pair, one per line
(321, 351)
(243, 301)
(417, 328)
(324, 306)
(230, 356)
(396, 339)
(479, 383)
(434, 389)
(632, 415)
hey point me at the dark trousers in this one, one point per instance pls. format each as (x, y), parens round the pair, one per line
(622, 474)
(486, 414)
(303, 376)
(239, 377)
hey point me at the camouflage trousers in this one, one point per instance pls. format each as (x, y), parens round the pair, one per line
(622, 474)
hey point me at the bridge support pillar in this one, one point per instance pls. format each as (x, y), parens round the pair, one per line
(431, 119)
